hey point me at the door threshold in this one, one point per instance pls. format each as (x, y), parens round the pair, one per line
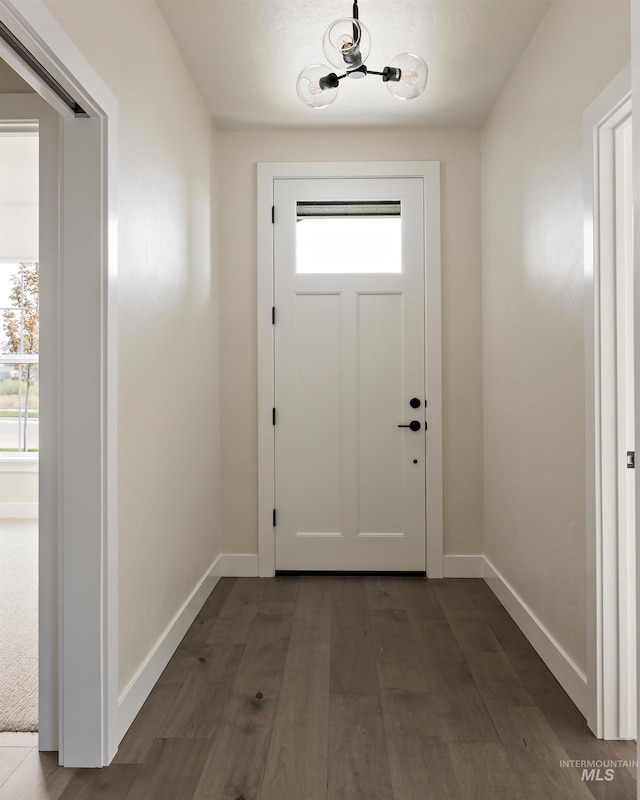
(339, 573)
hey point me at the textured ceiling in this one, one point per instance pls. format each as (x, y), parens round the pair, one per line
(245, 55)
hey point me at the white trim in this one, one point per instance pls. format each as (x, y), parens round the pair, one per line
(236, 565)
(19, 511)
(19, 463)
(134, 695)
(18, 739)
(611, 107)
(429, 171)
(635, 82)
(564, 669)
(78, 486)
(464, 566)
(22, 358)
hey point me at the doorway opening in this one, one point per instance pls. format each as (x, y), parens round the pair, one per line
(19, 427)
(610, 443)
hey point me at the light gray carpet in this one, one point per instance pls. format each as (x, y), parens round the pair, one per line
(18, 625)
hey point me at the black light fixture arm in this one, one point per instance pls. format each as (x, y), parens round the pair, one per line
(332, 80)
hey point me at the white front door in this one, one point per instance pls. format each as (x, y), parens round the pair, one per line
(349, 375)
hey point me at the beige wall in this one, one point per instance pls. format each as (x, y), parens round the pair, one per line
(167, 313)
(458, 151)
(532, 212)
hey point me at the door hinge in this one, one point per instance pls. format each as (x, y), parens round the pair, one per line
(273, 315)
(273, 214)
(273, 416)
(274, 518)
(631, 459)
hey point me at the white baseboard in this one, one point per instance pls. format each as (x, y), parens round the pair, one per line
(18, 511)
(464, 566)
(133, 697)
(564, 669)
(240, 565)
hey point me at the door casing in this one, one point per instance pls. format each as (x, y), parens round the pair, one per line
(78, 496)
(429, 172)
(607, 697)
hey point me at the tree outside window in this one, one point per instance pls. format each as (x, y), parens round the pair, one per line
(20, 326)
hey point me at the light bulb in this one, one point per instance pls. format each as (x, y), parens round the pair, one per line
(406, 76)
(317, 86)
(346, 44)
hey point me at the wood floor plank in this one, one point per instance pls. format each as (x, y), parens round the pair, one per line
(460, 708)
(420, 600)
(419, 761)
(218, 597)
(397, 659)
(514, 643)
(10, 760)
(138, 740)
(453, 595)
(195, 637)
(233, 623)
(171, 771)
(38, 777)
(197, 709)
(358, 764)
(268, 641)
(496, 679)
(536, 754)
(281, 589)
(463, 715)
(471, 630)
(627, 751)
(353, 662)
(571, 730)
(467, 622)
(484, 771)
(297, 760)
(236, 762)
(198, 632)
(110, 783)
(179, 666)
(480, 592)
(383, 593)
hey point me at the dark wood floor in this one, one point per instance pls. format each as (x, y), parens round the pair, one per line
(344, 689)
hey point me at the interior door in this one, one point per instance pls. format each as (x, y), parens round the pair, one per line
(349, 413)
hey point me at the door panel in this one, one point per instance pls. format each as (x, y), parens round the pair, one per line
(349, 356)
(381, 449)
(317, 411)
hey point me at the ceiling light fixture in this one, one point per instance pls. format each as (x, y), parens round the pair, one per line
(347, 45)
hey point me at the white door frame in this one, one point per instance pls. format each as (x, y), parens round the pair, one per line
(429, 172)
(78, 501)
(607, 695)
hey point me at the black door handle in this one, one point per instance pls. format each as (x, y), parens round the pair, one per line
(414, 425)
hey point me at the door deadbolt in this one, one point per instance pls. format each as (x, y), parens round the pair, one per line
(414, 402)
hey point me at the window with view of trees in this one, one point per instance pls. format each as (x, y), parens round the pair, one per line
(19, 348)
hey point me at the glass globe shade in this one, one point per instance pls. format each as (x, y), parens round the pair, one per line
(413, 76)
(309, 89)
(346, 44)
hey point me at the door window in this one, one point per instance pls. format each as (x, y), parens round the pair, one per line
(348, 237)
